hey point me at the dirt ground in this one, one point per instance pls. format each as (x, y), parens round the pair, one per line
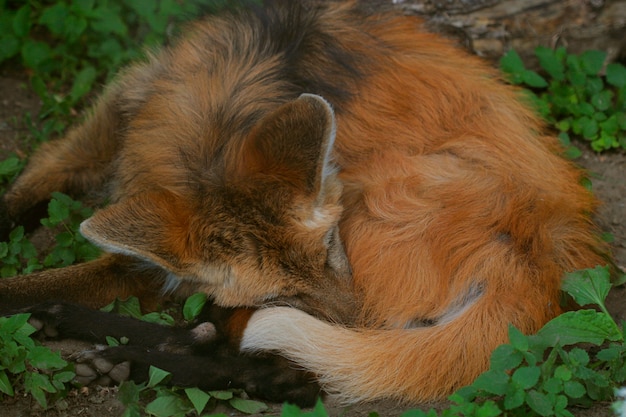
(608, 173)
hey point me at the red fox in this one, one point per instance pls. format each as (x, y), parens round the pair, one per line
(379, 204)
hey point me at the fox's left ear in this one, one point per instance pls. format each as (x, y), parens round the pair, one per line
(293, 144)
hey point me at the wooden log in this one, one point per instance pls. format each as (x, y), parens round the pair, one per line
(492, 27)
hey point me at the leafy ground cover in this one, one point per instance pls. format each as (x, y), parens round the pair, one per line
(536, 375)
(580, 95)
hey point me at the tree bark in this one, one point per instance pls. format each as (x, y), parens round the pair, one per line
(492, 27)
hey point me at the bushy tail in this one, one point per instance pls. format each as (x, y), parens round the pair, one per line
(418, 364)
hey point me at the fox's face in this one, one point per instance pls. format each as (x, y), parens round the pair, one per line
(263, 231)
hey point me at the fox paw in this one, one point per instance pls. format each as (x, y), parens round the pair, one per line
(46, 317)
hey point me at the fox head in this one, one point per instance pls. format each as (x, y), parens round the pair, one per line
(263, 232)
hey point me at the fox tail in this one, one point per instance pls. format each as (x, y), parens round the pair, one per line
(415, 364)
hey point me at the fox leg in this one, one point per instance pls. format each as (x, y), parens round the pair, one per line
(93, 284)
(199, 356)
(268, 376)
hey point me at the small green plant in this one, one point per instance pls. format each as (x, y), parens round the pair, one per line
(290, 410)
(19, 255)
(194, 305)
(543, 374)
(579, 95)
(9, 168)
(71, 247)
(24, 365)
(131, 307)
(69, 46)
(178, 402)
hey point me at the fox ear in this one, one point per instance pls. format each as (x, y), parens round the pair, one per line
(293, 144)
(147, 226)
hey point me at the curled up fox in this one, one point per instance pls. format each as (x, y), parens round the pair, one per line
(355, 195)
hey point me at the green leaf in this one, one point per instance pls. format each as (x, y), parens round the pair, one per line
(560, 403)
(132, 410)
(34, 53)
(5, 384)
(589, 128)
(578, 356)
(107, 21)
(159, 318)
(74, 27)
(247, 406)
(128, 392)
(16, 234)
(602, 100)
(166, 406)
(15, 323)
(221, 395)
(193, 306)
(592, 61)
(28, 250)
(42, 357)
(10, 46)
(505, 357)
(583, 326)
(594, 85)
(576, 77)
(10, 166)
(553, 386)
(493, 382)
(550, 63)
(511, 62)
(64, 239)
(290, 410)
(514, 397)
(533, 79)
(616, 75)
(36, 384)
(22, 21)
(526, 377)
(82, 7)
(572, 152)
(38, 395)
(517, 339)
(610, 353)
(57, 211)
(64, 377)
(83, 83)
(111, 341)
(574, 389)
(488, 409)
(129, 307)
(563, 373)
(610, 125)
(198, 398)
(144, 10)
(54, 17)
(588, 286)
(156, 376)
(539, 402)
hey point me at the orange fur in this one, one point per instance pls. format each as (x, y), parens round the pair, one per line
(457, 216)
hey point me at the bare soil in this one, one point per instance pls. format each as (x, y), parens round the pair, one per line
(608, 173)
